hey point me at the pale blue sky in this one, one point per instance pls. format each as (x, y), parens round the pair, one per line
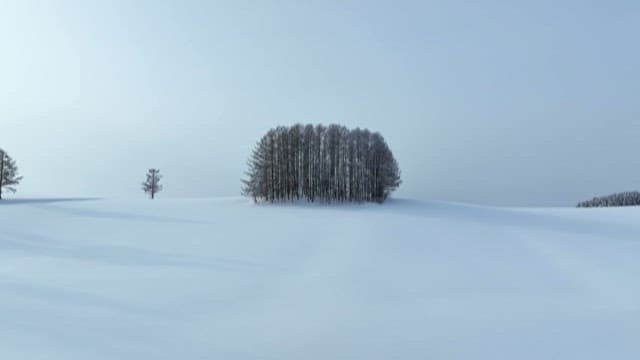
(498, 102)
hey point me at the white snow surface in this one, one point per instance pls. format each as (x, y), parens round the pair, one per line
(227, 279)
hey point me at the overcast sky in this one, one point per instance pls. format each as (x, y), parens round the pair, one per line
(494, 102)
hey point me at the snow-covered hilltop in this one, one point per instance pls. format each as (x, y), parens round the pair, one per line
(226, 279)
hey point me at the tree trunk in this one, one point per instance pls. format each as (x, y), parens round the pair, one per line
(1, 172)
(153, 186)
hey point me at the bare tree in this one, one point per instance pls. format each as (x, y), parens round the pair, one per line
(152, 184)
(8, 173)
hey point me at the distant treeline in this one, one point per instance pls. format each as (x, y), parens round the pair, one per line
(629, 198)
(321, 163)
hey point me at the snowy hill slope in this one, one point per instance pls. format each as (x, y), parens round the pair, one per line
(225, 279)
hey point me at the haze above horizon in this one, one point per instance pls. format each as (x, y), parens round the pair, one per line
(530, 103)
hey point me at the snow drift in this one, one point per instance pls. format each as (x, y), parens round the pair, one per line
(226, 279)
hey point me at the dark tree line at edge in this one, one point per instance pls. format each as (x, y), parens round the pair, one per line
(321, 163)
(628, 198)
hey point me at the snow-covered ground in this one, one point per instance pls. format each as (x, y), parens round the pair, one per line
(225, 279)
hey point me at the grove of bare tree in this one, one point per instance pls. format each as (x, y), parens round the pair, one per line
(321, 163)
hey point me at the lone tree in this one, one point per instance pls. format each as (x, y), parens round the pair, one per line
(152, 184)
(323, 163)
(8, 173)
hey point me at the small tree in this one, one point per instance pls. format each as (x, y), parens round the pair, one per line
(8, 173)
(152, 184)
